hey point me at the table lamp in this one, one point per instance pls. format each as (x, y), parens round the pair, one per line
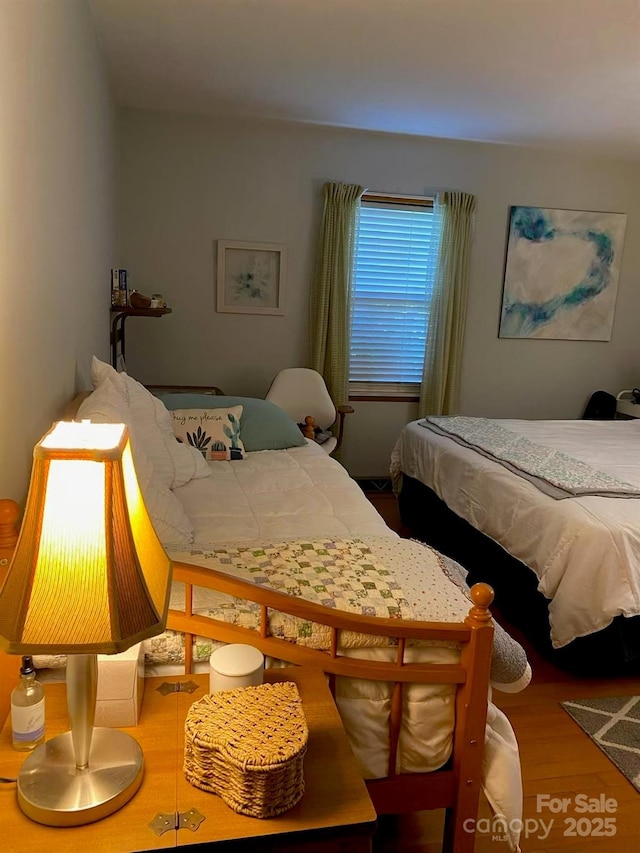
(88, 576)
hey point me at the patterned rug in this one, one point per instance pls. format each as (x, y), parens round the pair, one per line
(613, 724)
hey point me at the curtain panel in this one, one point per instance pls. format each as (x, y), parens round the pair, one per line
(331, 289)
(445, 335)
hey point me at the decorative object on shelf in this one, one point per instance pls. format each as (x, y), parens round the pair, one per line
(157, 301)
(251, 277)
(247, 746)
(139, 300)
(119, 288)
(561, 274)
(88, 576)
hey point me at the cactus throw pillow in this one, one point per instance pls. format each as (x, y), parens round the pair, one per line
(214, 432)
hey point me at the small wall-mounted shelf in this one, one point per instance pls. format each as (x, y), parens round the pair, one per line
(117, 326)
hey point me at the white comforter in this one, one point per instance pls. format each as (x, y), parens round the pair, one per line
(277, 495)
(585, 551)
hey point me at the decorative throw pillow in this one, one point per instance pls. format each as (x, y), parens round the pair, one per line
(174, 464)
(265, 426)
(214, 432)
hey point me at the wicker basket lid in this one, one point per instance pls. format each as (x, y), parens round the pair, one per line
(253, 727)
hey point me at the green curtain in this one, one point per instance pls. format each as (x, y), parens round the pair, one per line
(331, 289)
(445, 335)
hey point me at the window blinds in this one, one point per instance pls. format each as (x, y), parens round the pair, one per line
(396, 253)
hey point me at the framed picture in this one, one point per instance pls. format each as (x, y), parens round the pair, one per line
(251, 277)
(561, 273)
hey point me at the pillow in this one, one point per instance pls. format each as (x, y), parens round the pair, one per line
(265, 426)
(173, 463)
(106, 405)
(214, 432)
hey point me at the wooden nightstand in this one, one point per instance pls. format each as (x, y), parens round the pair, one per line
(335, 814)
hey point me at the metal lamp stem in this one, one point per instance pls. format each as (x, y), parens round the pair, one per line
(82, 685)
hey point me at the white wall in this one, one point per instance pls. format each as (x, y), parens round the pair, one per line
(56, 227)
(185, 182)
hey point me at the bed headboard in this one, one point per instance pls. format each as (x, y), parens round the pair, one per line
(9, 664)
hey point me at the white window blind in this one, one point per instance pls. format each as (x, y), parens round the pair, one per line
(396, 252)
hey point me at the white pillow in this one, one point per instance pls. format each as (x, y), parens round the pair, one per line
(106, 405)
(174, 464)
(214, 432)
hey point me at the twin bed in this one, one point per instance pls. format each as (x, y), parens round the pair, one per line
(547, 512)
(281, 549)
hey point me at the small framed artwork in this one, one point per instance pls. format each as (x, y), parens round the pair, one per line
(251, 277)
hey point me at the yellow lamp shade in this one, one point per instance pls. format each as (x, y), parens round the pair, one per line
(89, 574)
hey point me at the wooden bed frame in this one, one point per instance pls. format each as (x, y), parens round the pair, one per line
(456, 787)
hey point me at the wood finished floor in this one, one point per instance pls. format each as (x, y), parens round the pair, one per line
(557, 758)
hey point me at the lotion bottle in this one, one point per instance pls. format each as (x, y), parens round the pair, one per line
(27, 709)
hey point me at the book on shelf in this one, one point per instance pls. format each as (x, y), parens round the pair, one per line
(119, 288)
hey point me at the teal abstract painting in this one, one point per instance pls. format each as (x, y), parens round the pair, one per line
(561, 273)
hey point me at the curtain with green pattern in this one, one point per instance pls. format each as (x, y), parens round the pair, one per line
(445, 336)
(331, 289)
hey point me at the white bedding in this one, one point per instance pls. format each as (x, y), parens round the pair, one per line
(585, 551)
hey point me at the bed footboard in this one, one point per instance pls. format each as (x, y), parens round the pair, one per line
(455, 788)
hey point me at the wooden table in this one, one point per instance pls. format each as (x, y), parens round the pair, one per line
(335, 814)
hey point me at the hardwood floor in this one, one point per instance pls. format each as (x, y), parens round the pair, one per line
(558, 760)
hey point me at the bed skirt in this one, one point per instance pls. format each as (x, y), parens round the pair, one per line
(613, 651)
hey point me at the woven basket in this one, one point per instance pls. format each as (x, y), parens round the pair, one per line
(247, 746)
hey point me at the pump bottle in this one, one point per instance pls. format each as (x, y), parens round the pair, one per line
(27, 709)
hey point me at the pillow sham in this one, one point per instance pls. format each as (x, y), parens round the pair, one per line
(213, 432)
(106, 405)
(264, 426)
(174, 464)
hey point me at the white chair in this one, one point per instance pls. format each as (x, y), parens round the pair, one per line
(303, 395)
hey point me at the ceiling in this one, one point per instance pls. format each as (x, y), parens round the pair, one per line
(560, 73)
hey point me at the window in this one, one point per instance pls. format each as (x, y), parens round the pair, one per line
(395, 256)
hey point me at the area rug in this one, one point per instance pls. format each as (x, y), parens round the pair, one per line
(613, 724)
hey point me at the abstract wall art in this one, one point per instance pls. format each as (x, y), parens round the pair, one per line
(561, 274)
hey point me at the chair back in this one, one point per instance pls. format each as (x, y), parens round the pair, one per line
(301, 391)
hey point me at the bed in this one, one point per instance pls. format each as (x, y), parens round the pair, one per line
(281, 549)
(547, 512)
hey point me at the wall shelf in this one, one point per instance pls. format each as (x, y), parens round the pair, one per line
(120, 314)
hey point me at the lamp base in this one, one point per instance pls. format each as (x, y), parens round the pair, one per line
(51, 790)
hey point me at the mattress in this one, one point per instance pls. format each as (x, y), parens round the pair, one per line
(585, 550)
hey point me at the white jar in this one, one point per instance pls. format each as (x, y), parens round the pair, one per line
(235, 665)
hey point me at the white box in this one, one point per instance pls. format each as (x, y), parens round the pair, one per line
(120, 688)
